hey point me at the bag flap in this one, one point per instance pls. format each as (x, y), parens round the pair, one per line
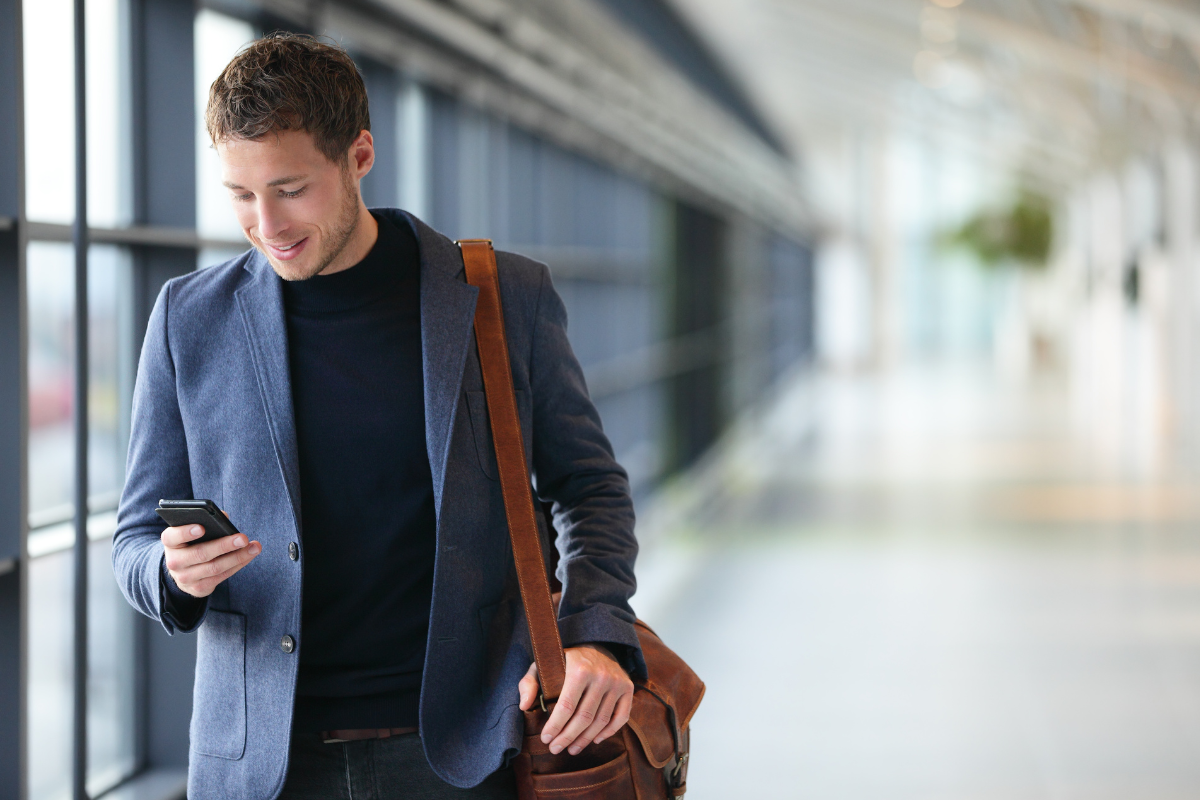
(649, 720)
(669, 676)
(670, 681)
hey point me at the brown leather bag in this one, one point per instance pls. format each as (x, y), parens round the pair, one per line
(647, 759)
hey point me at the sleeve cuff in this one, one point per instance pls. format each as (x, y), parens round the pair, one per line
(184, 612)
(599, 625)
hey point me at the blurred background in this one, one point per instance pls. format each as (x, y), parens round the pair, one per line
(889, 307)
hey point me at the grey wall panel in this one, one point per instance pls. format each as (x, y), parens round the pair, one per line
(168, 689)
(381, 187)
(697, 410)
(444, 173)
(10, 684)
(164, 124)
(10, 399)
(9, 107)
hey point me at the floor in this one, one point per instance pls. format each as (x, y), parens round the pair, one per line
(935, 584)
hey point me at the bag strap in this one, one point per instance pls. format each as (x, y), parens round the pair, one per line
(480, 261)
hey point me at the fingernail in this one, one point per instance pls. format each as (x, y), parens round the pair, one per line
(545, 738)
(196, 531)
(556, 748)
(574, 750)
(255, 548)
(239, 541)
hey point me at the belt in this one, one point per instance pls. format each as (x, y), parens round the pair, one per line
(358, 734)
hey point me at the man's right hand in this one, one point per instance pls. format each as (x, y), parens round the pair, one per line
(199, 568)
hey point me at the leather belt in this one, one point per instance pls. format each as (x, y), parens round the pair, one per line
(358, 734)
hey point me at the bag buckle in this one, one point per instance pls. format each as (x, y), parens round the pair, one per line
(677, 772)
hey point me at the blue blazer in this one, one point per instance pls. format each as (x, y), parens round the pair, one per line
(212, 418)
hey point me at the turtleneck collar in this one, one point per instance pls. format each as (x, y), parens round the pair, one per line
(392, 260)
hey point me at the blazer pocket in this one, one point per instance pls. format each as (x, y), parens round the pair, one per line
(482, 431)
(219, 697)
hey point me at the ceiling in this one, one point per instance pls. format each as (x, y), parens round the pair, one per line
(1052, 88)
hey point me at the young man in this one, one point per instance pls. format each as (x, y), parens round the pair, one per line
(364, 637)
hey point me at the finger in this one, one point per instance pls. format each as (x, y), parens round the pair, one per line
(604, 714)
(182, 535)
(197, 573)
(207, 586)
(581, 720)
(183, 557)
(528, 688)
(619, 718)
(564, 709)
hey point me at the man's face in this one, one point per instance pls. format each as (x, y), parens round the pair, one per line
(295, 205)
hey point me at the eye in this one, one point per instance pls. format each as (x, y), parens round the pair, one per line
(242, 198)
(296, 193)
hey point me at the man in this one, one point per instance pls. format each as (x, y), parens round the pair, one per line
(364, 637)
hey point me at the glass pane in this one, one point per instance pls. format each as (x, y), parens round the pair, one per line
(49, 112)
(110, 326)
(50, 287)
(111, 669)
(110, 174)
(218, 38)
(50, 674)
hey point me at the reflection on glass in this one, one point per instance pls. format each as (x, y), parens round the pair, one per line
(218, 38)
(50, 117)
(50, 670)
(110, 370)
(111, 702)
(50, 287)
(49, 114)
(50, 292)
(110, 176)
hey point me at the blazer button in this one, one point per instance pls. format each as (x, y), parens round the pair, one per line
(293, 551)
(287, 644)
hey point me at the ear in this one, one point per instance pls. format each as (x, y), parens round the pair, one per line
(362, 155)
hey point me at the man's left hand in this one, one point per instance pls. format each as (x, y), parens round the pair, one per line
(594, 703)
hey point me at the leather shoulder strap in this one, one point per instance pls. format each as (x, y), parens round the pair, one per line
(480, 261)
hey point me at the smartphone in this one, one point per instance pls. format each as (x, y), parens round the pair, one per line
(204, 513)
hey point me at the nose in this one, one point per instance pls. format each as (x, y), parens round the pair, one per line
(271, 223)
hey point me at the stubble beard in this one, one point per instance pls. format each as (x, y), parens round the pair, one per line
(339, 235)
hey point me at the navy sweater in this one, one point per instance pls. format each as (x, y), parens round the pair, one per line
(366, 492)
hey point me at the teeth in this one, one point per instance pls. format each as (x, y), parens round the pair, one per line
(289, 247)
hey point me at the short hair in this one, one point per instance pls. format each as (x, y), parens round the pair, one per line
(290, 81)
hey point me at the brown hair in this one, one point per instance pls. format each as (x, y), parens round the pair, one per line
(290, 81)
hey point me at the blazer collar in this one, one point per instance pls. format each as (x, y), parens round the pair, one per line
(260, 301)
(447, 316)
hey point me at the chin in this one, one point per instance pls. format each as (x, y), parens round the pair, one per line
(289, 270)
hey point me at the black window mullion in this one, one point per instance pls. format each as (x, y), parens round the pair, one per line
(80, 240)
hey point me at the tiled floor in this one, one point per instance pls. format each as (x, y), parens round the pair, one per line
(931, 586)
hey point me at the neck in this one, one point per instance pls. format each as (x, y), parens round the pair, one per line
(366, 232)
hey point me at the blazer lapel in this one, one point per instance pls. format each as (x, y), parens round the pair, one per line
(447, 314)
(261, 304)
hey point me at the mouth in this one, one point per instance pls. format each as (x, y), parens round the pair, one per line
(286, 252)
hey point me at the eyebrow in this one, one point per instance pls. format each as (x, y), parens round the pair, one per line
(276, 182)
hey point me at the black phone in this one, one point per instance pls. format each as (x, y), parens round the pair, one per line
(205, 513)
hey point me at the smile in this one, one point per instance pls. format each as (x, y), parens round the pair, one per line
(286, 252)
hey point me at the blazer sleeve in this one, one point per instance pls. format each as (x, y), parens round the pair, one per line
(157, 467)
(574, 469)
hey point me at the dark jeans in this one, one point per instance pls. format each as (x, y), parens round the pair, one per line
(377, 769)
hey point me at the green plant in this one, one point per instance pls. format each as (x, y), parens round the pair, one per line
(1021, 234)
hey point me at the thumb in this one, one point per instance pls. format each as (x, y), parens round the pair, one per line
(528, 688)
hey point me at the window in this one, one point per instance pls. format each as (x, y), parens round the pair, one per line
(111, 652)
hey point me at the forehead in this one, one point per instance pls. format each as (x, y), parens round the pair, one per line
(266, 157)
